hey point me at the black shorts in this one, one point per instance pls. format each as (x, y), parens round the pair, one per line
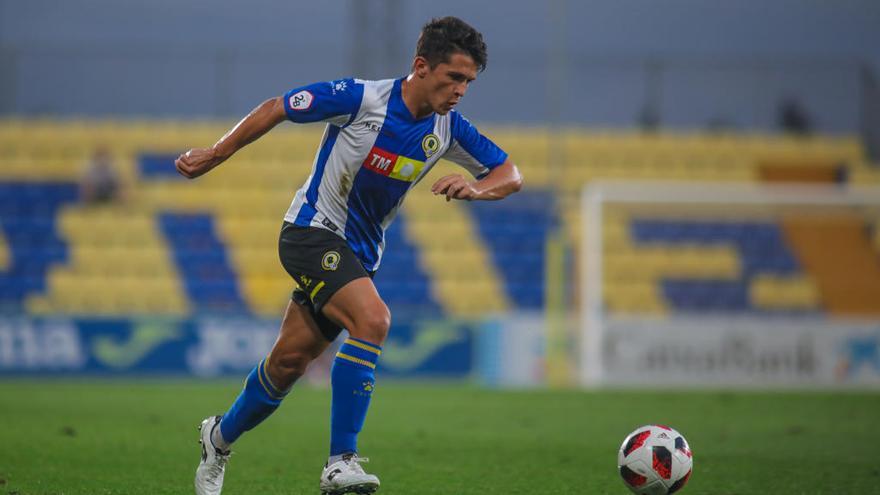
(321, 263)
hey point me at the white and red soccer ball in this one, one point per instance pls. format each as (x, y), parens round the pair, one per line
(655, 460)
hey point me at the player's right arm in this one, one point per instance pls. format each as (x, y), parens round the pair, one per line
(198, 161)
(336, 102)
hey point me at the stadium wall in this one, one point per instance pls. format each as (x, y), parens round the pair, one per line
(686, 63)
(213, 346)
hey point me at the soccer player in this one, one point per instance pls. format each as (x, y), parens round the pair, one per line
(381, 138)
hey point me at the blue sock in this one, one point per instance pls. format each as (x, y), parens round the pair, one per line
(256, 402)
(352, 380)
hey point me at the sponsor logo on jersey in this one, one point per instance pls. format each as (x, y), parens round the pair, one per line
(330, 261)
(393, 165)
(301, 100)
(373, 126)
(430, 144)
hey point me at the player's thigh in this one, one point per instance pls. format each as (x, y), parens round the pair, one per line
(299, 340)
(319, 261)
(358, 307)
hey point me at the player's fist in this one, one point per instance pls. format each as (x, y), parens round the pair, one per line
(455, 187)
(196, 162)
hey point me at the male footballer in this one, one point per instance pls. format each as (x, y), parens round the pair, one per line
(381, 138)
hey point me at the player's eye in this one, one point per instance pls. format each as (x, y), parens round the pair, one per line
(455, 76)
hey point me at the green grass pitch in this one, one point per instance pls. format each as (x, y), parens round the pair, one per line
(139, 437)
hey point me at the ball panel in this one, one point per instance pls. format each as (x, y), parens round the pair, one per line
(631, 477)
(655, 488)
(662, 462)
(682, 446)
(635, 441)
(678, 485)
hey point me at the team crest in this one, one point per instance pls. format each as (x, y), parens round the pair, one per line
(430, 145)
(330, 261)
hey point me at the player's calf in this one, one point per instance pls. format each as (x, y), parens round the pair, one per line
(284, 368)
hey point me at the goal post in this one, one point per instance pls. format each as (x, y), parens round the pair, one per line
(648, 337)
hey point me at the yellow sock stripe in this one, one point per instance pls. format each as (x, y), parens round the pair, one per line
(265, 387)
(271, 385)
(315, 290)
(353, 359)
(366, 347)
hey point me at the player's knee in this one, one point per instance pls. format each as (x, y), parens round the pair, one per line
(286, 367)
(373, 326)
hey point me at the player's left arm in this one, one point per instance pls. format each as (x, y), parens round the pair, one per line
(499, 183)
(496, 177)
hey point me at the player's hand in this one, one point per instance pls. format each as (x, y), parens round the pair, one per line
(196, 162)
(455, 187)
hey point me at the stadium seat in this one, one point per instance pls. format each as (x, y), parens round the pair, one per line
(461, 259)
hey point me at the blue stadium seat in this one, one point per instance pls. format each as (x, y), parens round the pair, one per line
(27, 218)
(515, 232)
(158, 166)
(761, 247)
(400, 279)
(201, 259)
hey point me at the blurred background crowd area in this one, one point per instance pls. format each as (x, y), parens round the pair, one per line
(97, 98)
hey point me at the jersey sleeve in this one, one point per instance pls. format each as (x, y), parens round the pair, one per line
(473, 151)
(336, 102)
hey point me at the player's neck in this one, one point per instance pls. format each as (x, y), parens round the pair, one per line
(414, 99)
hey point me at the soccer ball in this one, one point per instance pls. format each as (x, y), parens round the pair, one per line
(655, 460)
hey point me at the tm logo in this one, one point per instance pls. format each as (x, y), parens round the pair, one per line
(144, 338)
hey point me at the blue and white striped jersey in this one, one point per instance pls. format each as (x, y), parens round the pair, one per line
(373, 151)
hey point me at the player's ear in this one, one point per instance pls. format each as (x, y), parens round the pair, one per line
(421, 67)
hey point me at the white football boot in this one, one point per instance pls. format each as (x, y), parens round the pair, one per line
(209, 475)
(347, 476)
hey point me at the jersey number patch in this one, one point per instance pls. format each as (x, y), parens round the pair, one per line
(301, 101)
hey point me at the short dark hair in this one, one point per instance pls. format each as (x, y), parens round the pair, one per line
(443, 37)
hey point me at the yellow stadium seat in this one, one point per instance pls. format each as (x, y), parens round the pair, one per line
(118, 253)
(771, 292)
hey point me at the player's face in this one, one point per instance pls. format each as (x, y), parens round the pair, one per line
(448, 82)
